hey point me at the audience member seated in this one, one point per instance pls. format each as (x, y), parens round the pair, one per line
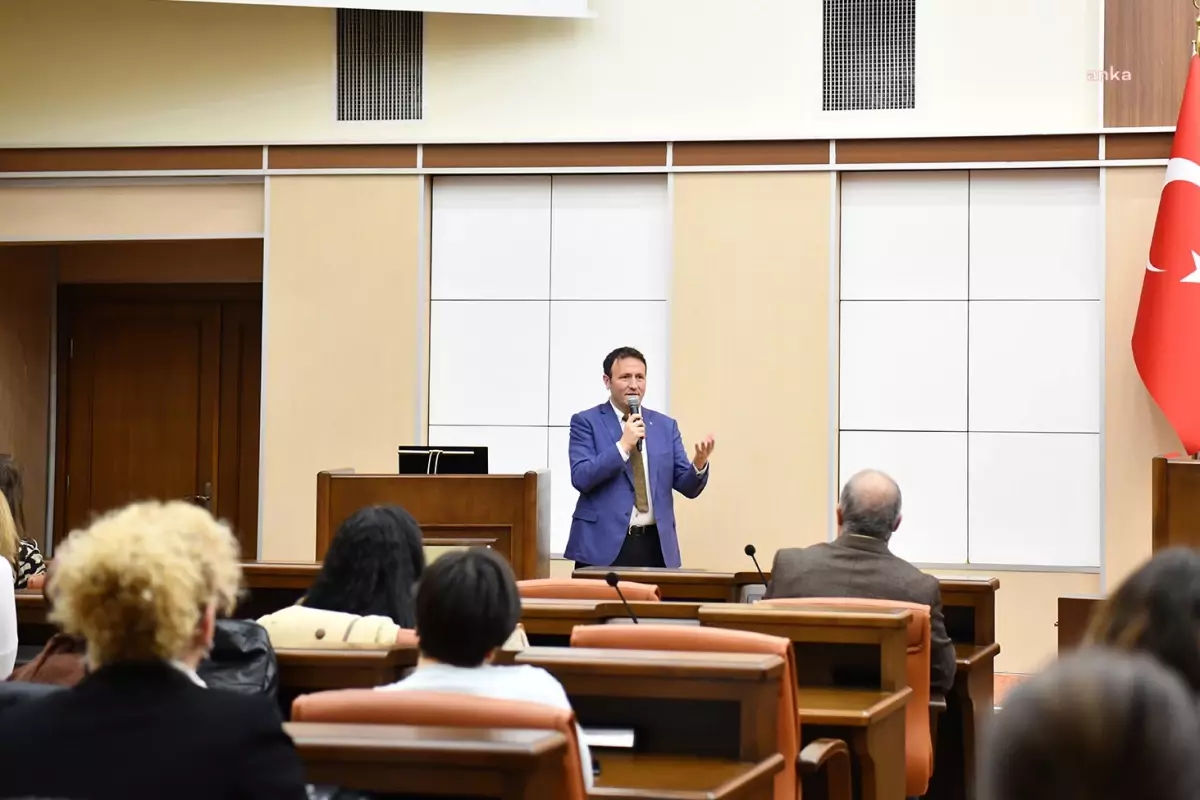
(9, 547)
(29, 558)
(143, 586)
(467, 608)
(363, 594)
(859, 564)
(1156, 610)
(1096, 725)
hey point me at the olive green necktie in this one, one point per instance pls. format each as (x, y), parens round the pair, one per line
(639, 477)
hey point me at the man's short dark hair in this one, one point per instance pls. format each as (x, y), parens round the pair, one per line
(467, 606)
(618, 354)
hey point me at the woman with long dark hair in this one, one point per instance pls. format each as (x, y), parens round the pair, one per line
(363, 594)
(29, 561)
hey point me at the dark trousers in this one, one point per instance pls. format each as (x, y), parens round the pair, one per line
(641, 549)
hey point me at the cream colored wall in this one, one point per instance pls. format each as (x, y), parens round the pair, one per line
(1135, 430)
(142, 71)
(340, 341)
(61, 212)
(750, 317)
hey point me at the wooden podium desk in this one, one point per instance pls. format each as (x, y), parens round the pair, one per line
(420, 762)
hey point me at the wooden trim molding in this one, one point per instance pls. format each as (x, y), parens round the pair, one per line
(1083, 147)
(483, 156)
(130, 159)
(1122, 146)
(368, 156)
(710, 154)
(1146, 50)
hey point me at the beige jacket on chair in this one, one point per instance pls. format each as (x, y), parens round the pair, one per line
(301, 627)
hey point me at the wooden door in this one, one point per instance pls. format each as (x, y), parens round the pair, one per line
(160, 401)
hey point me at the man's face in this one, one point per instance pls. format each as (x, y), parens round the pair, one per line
(628, 378)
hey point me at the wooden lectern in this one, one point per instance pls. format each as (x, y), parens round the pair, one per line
(509, 513)
(1176, 505)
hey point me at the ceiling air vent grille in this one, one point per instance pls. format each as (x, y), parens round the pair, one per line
(379, 65)
(869, 55)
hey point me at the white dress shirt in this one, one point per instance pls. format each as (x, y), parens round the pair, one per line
(8, 620)
(641, 517)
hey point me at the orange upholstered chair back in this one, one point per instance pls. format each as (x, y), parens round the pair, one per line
(714, 640)
(371, 707)
(918, 740)
(586, 589)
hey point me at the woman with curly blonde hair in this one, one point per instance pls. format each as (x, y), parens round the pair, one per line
(10, 542)
(143, 586)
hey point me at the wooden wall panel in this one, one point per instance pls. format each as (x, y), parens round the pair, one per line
(27, 297)
(181, 261)
(1152, 41)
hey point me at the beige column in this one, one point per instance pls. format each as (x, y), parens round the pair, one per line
(341, 347)
(750, 360)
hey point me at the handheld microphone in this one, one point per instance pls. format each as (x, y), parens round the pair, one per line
(750, 551)
(635, 407)
(612, 580)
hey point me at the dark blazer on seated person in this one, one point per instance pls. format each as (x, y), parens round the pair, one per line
(146, 731)
(862, 566)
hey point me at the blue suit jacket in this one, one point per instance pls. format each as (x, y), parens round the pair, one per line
(605, 484)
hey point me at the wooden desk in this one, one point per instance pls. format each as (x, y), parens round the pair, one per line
(1074, 616)
(688, 585)
(834, 645)
(322, 670)
(424, 762)
(550, 622)
(715, 705)
(683, 777)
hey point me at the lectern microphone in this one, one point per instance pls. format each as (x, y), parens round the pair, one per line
(750, 551)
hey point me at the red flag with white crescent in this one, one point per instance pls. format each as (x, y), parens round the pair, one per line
(1166, 336)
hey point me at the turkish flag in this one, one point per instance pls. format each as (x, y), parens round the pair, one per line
(1166, 336)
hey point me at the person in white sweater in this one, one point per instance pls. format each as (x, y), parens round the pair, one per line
(10, 543)
(467, 608)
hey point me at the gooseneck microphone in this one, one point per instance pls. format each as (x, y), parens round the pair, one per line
(635, 407)
(750, 551)
(612, 580)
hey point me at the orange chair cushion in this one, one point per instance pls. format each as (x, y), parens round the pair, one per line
(586, 589)
(371, 707)
(714, 640)
(918, 736)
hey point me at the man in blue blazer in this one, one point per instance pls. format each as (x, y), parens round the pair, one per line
(624, 466)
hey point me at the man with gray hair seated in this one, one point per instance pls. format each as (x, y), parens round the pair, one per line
(859, 564)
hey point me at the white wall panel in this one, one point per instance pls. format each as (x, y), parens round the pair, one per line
(511, 450)
(1036, 234)
(904, 236)
(1035, 366)
(489, 362)
(1035, 499)
(931, 469)
(562, 495)
(611, 238)
(904, 366)
(583, 333)
(490, 238)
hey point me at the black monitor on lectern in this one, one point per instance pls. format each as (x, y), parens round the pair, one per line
(445, 460)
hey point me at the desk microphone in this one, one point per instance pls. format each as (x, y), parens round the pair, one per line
(635, 407)
(612, 580)
(750, 551)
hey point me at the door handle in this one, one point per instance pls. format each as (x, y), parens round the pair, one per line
(202, 500)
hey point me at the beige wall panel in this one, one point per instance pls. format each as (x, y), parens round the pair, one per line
(146, 211)
(146, 71)
(340, 342)
(1134, 429)
(197, 261)
(27, 298)
(750, 318)
(1026, 610)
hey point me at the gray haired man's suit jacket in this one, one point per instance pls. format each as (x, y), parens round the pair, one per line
(863, 566)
